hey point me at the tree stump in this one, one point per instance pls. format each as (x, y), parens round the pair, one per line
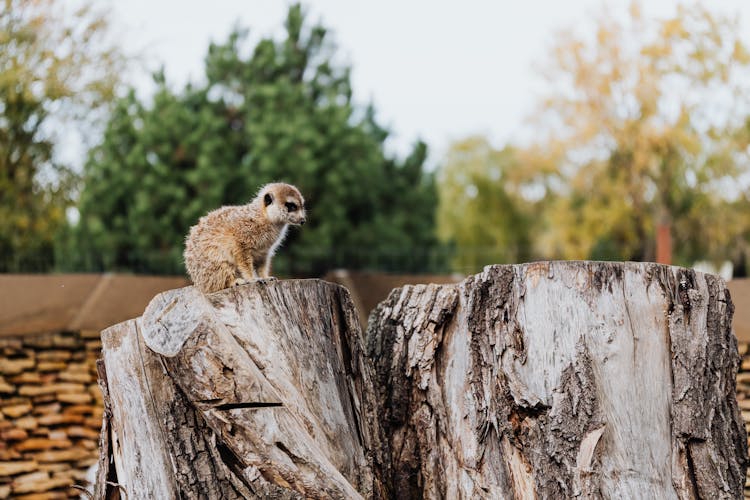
(246, 392)
(544, 380)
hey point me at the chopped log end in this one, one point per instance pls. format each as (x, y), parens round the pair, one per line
(50, 414)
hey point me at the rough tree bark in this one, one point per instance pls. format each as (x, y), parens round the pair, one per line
(246, 392)
(544, 380)
(558, 380)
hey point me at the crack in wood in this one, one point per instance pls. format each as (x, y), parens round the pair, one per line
(254, 404)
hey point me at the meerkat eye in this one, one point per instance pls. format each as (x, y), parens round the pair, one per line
(291, 207)
(268, 199)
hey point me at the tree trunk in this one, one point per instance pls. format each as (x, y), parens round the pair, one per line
(556, 380)
(545, 380)
(247, 392)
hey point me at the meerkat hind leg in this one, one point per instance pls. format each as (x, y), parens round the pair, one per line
(215, 277)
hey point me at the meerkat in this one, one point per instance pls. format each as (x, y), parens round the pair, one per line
(235, 244)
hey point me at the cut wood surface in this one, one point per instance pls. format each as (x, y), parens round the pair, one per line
(544, 380)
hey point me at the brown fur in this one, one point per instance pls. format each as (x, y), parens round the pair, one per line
(232, 245)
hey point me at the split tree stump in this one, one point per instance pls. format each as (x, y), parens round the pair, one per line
(544, 380)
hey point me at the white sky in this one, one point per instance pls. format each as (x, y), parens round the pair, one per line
(435, 69)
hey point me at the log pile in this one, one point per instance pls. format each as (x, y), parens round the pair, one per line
(50, 414)
(743, 397)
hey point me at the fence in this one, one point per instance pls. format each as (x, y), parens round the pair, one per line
(288, 262)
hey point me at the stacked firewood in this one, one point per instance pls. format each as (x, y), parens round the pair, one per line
(743, 397)
(50, 414)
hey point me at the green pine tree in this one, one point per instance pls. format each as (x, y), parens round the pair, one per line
(285, 113)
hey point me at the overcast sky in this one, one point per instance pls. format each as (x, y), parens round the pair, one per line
(435, 69)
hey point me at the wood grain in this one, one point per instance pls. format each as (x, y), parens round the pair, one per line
(543, 380)
(558, 380)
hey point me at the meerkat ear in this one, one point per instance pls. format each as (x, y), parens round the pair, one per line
(268, 199)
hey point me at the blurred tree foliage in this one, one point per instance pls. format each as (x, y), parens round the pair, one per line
(641, 131)
(488, 204)
(284, 112)
(644, 126)
(55, 66)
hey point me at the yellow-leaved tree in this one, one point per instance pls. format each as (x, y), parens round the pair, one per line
(642, 126)
(489, 203)
(57, 65)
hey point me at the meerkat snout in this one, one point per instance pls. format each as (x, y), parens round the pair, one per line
(232, 245)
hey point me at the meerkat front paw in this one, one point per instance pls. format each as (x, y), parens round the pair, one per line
(240, 281)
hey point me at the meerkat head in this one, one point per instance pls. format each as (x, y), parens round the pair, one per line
(283, 204)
